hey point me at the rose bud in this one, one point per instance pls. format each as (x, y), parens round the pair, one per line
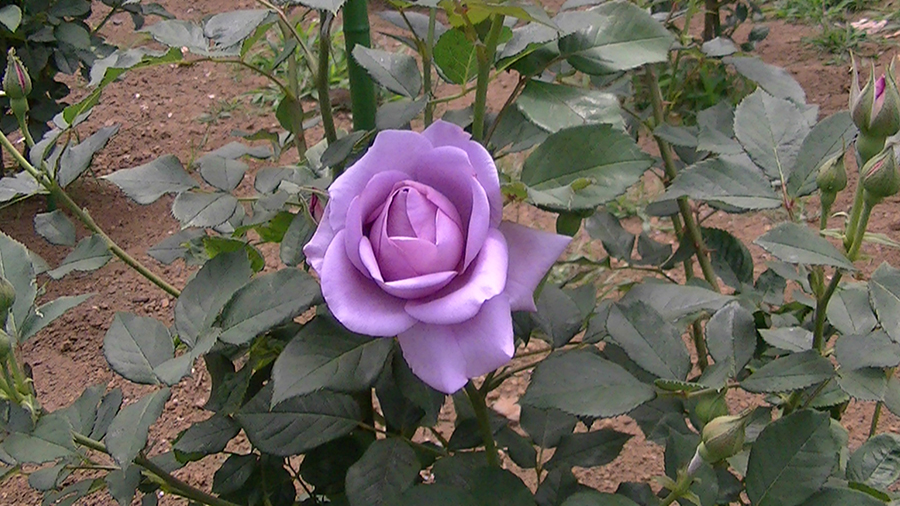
(7, 299)
(881, 177)
(412, 244)
(5, 345)
(723, 437)
(16, 81)
(832, 176)
(876, 108)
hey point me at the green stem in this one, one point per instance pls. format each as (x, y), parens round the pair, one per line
(485, 54)
(86, 219)
(860, 230)
(690, 225)
(855, 211)
(523, 80)
(293, 80)
(484, 423)
(873, 428)
(284, 89)
(700, 345)
(176, 486)
(322, 80)
(7, 384)
(362, 89)
(821, 308)
(105, 19)
(427, 57)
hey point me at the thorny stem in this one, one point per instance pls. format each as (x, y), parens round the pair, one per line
(873, 428)
(322, 80)
(105, 19)
(509, 100)
(821, 308)
(690, 225)
(175, 485)
(484, 423)
(426, 448)
(860, 231)
(426, 66)
(61, 196)
(296, 114)
(486, 54)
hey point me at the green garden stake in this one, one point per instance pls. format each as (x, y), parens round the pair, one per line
(362, 89)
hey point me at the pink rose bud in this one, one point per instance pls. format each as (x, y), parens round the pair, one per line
(881, 177)
(412, 244)
(876, 108)
(316, 209)
(16, 81)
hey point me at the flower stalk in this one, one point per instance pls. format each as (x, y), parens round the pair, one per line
(486, 54)
(362, 89)
(427, 59)
(484, 423)
(322, 83)
(61, 196)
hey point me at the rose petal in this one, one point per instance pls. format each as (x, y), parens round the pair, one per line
(531, 254)
(357, 301)
(442, 133)
(448, 171)
(316, 247)
(362, 206)
(446, 356)
(410, 287)
(464, 296)
(393, 150)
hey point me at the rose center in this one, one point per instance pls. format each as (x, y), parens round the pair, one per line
(417, 231)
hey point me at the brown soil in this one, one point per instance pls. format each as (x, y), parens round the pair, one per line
(158, 110)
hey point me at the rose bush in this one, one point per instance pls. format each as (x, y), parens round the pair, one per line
(412, 244)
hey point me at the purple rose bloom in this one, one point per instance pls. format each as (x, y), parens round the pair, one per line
(412, 244)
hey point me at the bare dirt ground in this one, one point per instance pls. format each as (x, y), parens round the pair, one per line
(159, 111)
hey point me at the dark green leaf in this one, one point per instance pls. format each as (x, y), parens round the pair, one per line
(47, 313)
(435, 495)
(719, 47)
(328, 5)
(829, 496)
(122, 484)
(11, 16)
(207, 292)
(205, 438)
(135, 345)
(90, 254)
(869, 384)
(775, 80)
(146, 183)
(614, 36)
(175, 246)
(298, 424)
(653, 343)
(73, 34)
(884, 294)
(203, 209)
(731, 260)
(387, 469)
(299, 232)
(588, 449)
(771, 130)
(829, 137)
(177, 33)
(675, 302)
(398, 114)
(493, 486)
(233, 474)
(788, 338)
(55, 227)
(546, 426)
(454, 55)
(230, 28)
(326, 355)
(793, 372)
(106, 412)
(791, 459)
(559, 484)
(677, 136)
(16, 267)
(266, 302)
(396, 72)
(51, 439)
(718, 180)
(798, 244)
(877, 462)
(594, 498)
(128, 431)
(82, 413)
(223, 173)
(554, 107)
(583, 167)
(48, 478)
(849, 310)
(874, 349)
(559, 315)
(584, 384)
(731, 335)
(76, 159)
(617, 241)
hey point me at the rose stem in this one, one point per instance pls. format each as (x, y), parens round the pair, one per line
(362, 90)
(484, 423)
(486, 54)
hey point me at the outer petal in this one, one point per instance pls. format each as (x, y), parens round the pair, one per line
(357, 301)
(447, 170)
(464, 296)
(531, 254)
(316, 247)
(446, 356)
(442, 133)
(393, 150)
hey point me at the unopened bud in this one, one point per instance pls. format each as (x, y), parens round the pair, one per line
(880, 176)
(7, 299)
(5, 345)
(16, 81)
(723, 437)
(876, 108)
(832, 176)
